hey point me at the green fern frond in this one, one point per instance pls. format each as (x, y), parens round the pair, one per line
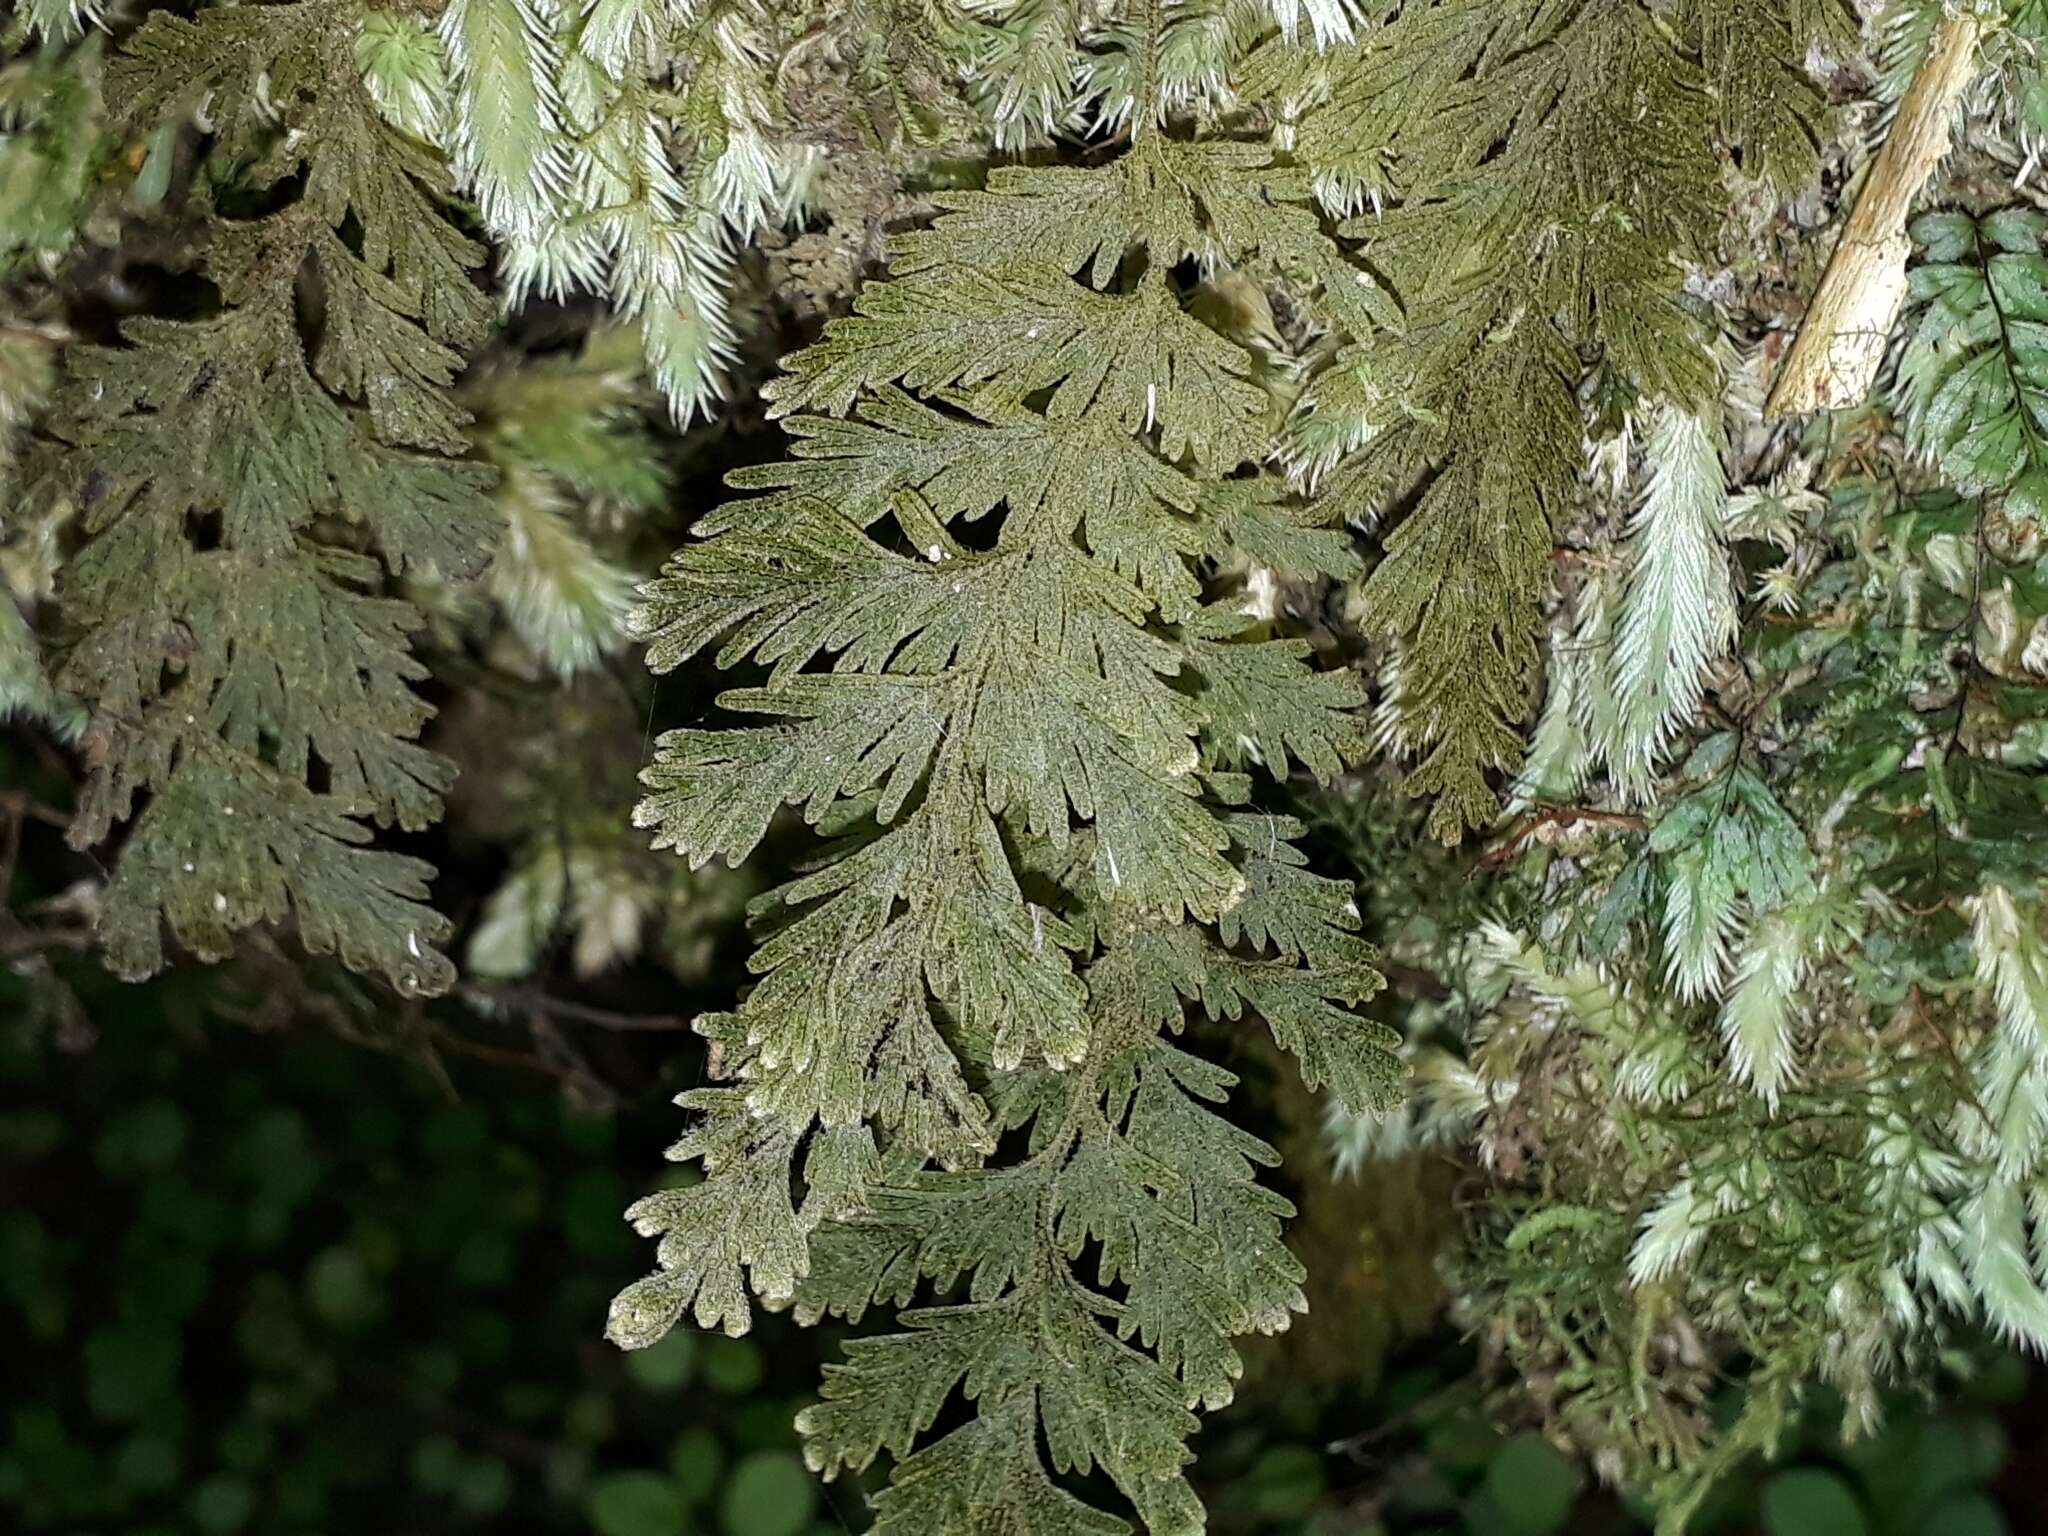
(243, 499)
(1536, 212)
(1973, 379)
(999, 675)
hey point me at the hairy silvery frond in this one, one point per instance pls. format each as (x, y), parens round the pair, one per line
(597, 177)
(1329, 21)
(1703, 918)
(25, 691)
(61, 19)
(1559, 754)
(1577, 992)
(1674, 1228)
(1195, 53)
(1757, 1018)
(27, 371)
(587, 885)
(506, 127)
(1029, 69)
(1994, 1250)
(1579, 707)
(2011, 1065)
(666, 253)
(563, 599)
(406, 72)
(2011, 1082)
(606, 909)
(569, 437)
(1660, 1065)
(1341, 412)
(1447, 1097)
(1678, 610)
(2012, 960)
(1390, 736)
(687, 345)
(1730, 851)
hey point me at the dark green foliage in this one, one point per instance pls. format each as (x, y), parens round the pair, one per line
(1732, 1037)
(1530, 179)
(245, 495)
(1019, 731)
(302, 1291)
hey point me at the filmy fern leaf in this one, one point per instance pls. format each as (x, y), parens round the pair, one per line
(999, 674)
(245, 497)
(1529, 178)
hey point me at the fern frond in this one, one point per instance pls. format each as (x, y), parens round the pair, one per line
(62, 20)
(1678, 611)
(242, 668)
(1993, 1248)
(1757, 1019)
(1972, 382)
(2011, 1068)
(1754, 59)
(1500, 246)
(504, 56)
(999, 675)
(406, 72)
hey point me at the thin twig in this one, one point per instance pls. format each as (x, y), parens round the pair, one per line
(1557, 816)
(580, 1013)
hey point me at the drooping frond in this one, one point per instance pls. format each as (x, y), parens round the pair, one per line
(245, 675)
(997, 674)
(1678, 609)
(1520, 139)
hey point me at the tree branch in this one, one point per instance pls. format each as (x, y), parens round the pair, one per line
(1849, 324)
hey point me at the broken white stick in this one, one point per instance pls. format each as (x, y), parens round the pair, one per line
(1842, 343)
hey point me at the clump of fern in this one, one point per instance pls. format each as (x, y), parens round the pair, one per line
(1005, 678)
(1755, 1067)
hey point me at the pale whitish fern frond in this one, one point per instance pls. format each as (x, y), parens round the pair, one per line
(563, 599)
(607, 912)
(586, 192)
(1030, 70)
(1329, 21)
(1447, 1097)
(2012, 960)
(25, 691)
(2011, 1068)
(406, 72)
(1993, 1248)
(2012, 1090)
(2034, 655)
(1703, 919)
(1936, 1262)
(506, 127)
(1757, 1018)
(1559, 752)
(619, 36)
(1678, 610)
(1660, 1066)
(64, 19)
(1390, 737)
(1673, 1228)
(1342, 412)
(1579, 706)
(635, 215)
(1730, 852)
